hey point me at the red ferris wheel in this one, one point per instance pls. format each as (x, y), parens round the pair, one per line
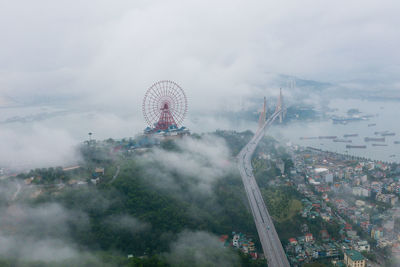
(164, 105)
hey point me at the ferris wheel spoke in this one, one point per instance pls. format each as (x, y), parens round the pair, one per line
(165, 89)
(172, 90)
(154, 94)
(153, 99)
(158, 91)
(156, 111)
(161, 88)
(153, 117)
(155, 90)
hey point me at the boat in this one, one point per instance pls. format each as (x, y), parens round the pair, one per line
(327, 137)
(342, 140)
(368, 139)
(396, 142)
(388, 134)
(379, 145)
(392, 156)
(371, 124)
(353, 146)
(345, 120)
(350, 135)
(381, 132)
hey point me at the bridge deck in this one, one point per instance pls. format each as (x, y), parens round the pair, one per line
(269, 238)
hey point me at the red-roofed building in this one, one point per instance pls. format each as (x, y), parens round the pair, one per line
(293, 241)
(396, 248)
(309, 237)
(254, 255)
(223, 238)
(348, 227)
(358, 168)
(323, 189)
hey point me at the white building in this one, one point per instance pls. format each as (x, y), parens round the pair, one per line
(280, 164)
(328, 177)
(360, 203)
(361, 191)
(357, 191)
(362, 246)
(364, 179)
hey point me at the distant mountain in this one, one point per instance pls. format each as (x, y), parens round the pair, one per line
(301, 90)
(6, 101)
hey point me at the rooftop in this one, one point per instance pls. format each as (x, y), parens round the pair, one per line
(354, 255)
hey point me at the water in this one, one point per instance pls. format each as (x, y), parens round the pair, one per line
(386, 117)
(49, 139)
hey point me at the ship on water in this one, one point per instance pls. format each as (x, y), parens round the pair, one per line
(351, 118)
(345, 120)
(388, 134)
(342, 140)
(327, 137)
(358, 146)
(371, 124)
(350, 135)
(381, 132)
(379, 145)
(374, 139)
(396, 142)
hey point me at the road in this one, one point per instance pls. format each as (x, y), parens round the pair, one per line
(15, 195)
(269, 238)
(115, 175)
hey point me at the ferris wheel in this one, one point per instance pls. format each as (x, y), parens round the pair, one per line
(164, 105)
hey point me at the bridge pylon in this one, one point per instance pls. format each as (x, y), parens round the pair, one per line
(263, 114)
(280, 106)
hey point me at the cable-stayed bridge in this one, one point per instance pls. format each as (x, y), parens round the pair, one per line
(268, 236)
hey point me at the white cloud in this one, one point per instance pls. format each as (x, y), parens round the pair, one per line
(113, 52)
(101, 55)
(201, 162)
(200, 249)
(37, 146)
(39, 233)
(126, 222)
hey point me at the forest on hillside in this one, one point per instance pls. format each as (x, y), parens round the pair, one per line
(167, 203)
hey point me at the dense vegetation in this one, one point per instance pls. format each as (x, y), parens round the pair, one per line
(141, 206)
(157, 214)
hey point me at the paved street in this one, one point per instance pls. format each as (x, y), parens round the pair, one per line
(269, 239)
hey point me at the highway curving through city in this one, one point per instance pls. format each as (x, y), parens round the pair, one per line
(269, 238)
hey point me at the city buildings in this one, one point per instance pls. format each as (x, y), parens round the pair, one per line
(353, 258)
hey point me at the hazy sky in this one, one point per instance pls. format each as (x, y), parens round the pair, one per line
(103, 55)
(112, 51)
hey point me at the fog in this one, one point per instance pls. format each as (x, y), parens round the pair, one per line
(109, 54)
(37, 147)
(95, 60)
(49, 231)
(200, 249)
(39, 233)
(202, 162)
(128, 223)
(87, 65)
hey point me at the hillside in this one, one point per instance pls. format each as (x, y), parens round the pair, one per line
(162, 200)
